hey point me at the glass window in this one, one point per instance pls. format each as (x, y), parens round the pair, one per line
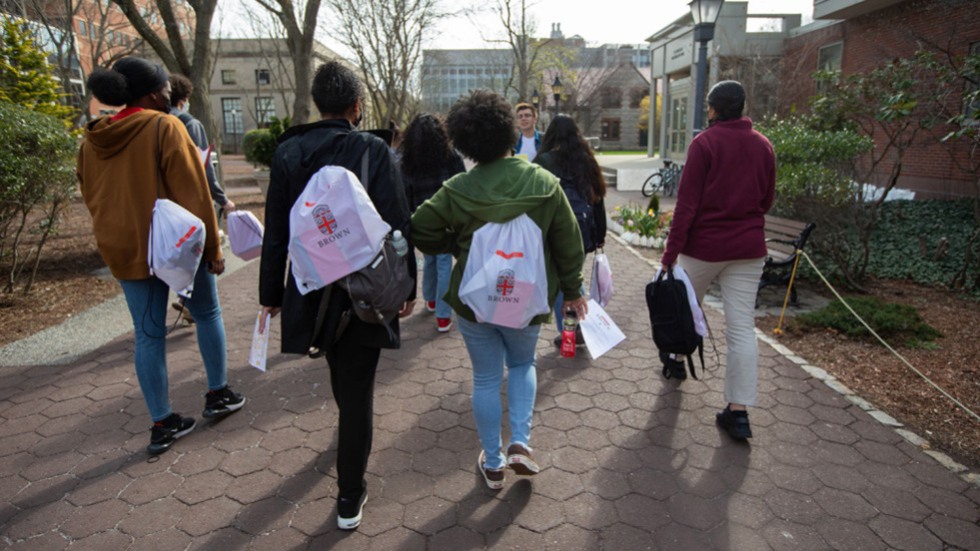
(829, 58)
(265, 109)
(231, 115)
(971, 96)
(227, 76)
(612, 98)
(82, 28)
(610, 129)
(678, 125)
(262, 77)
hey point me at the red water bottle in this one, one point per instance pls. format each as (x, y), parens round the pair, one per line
(568, 324)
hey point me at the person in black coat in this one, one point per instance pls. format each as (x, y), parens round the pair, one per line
(302, 151)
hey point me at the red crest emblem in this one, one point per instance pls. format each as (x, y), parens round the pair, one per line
(325, 221)
(505, 282)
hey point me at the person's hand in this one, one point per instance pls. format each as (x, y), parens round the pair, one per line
(580, 305)
(407, 309)
(229, 207)
(267, 311)
(216, 267)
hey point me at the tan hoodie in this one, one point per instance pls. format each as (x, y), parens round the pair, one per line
(120, 181)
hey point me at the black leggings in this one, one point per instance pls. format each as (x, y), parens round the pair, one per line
(352, 381)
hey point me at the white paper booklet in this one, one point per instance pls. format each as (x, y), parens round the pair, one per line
(600, 331)
(260, 343)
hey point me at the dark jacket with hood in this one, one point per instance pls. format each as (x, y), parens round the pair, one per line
(499, 191)
(302, 151)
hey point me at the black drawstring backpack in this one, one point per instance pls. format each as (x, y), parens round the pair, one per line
(672, 320)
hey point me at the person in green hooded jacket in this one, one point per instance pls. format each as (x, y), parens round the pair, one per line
(498, 189)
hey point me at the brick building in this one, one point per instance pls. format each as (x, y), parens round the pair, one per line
(853, 36)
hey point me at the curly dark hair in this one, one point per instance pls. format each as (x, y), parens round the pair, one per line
(482, 126)
(425, 148)
(180, 88)
(575, 159)
(335, 88)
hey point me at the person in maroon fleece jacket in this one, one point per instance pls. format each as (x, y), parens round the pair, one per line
(717, 233)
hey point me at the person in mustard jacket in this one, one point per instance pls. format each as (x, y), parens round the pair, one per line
(125, 163)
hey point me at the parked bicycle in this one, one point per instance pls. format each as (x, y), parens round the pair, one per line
(664, 181)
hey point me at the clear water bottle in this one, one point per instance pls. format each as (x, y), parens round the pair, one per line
(399, 242)
(568, 325)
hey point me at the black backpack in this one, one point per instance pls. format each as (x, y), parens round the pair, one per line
(583, 214)
(672, 320)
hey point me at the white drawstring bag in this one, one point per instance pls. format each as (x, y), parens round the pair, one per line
(334, 229)
(245, 234)
(505, 282)
(176, 246)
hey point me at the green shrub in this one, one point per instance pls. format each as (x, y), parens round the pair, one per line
(32, 193)
(260, 144)
(893, 322)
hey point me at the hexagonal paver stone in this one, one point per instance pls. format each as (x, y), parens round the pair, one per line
(430, 515)
(153, 517)
(209, 516)
(203, 487)
(268, 515)
(93, 519)
(150, 488)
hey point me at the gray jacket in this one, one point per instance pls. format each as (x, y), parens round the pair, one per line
(196, 130)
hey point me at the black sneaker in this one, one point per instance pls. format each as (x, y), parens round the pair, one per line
(218, 403)
(736, 423)
(164, 433)
(673, 369)
(349, 512)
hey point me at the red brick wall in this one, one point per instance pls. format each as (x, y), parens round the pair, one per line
(882, 36)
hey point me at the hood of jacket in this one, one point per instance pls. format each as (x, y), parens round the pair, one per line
(501, 190)
(326, 137)
(108, 138)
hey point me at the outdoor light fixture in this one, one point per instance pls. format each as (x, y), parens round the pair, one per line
(705, 14)
(535, 101)
(556, 89)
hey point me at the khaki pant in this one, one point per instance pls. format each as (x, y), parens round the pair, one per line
(739, 281)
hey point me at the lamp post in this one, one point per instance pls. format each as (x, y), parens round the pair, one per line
(705, 14)
(556, 89)
(536, 101)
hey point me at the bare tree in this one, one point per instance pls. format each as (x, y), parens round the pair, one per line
(519, 27)
(386, 38)
(299, 39)
(197, 65)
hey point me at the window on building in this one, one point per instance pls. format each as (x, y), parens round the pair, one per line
(610, 129)
(228, 76)
(262, 77)
(677, 131)
(231, 115)
(829, 60)
(971, 96)
(636, 96)
(612, 98)
(265, 109)
(82, 28)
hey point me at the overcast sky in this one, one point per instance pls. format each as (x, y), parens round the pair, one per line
(602, 21)
(597, 21)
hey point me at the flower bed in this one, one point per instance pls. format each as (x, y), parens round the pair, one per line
(641, 228)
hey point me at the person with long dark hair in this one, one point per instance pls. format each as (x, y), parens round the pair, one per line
(126, 162)
(566, 154)
(428, 160)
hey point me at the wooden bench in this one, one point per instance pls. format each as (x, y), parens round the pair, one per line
(784, 238)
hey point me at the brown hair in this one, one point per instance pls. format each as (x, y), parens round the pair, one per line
(524, 105)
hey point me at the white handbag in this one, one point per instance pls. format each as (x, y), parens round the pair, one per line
(245, 234)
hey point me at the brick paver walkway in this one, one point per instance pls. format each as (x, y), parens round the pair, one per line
(630, 461)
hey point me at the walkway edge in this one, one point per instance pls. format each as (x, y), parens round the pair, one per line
(830, 381)
(84, 333)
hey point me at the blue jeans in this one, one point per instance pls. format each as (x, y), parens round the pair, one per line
(147, 300)
(435, 281)
(490, 346)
